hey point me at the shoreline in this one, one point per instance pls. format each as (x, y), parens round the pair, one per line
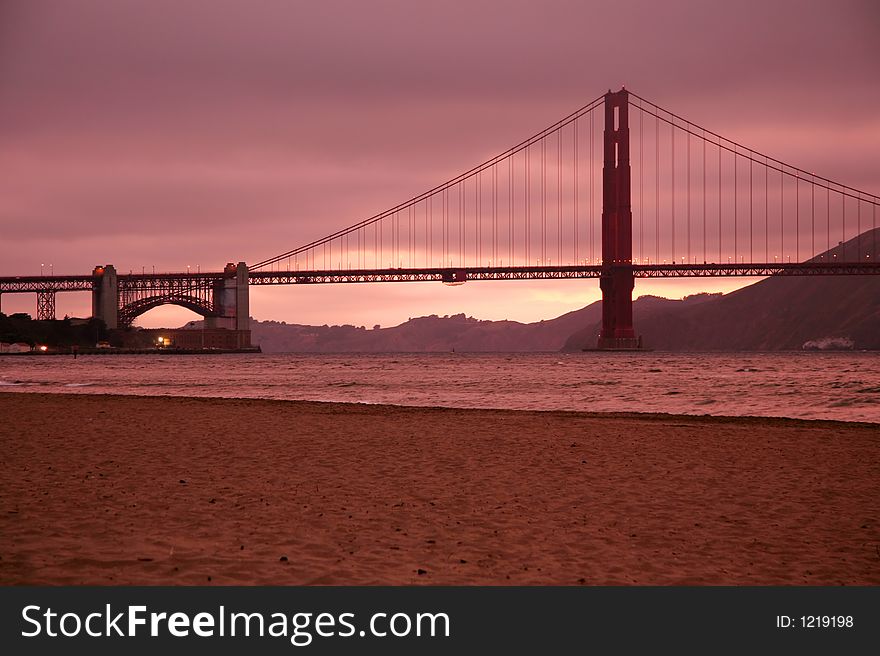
(123, 351)
(634, 414)
(193, 491)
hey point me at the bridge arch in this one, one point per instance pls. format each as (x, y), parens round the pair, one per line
(128, 313)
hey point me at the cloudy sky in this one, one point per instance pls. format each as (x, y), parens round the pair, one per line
(175, 133)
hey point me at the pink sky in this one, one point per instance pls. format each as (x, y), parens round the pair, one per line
(172, 133)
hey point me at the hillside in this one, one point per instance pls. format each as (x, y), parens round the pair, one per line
(430, 334)
(442, 334)
(778, 313)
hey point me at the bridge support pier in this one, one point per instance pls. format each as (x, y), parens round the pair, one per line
(105, 296)
(617, 280)
(617, 324)
(231, 299)
(221, 299)
(232, 302)
(46, 305)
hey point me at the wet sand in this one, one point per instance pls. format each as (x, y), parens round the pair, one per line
(133, 490)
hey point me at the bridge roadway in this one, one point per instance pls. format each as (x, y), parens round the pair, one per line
(462, 274)
(160, 281)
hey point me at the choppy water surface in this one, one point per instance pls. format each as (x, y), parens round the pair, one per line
(842, 386)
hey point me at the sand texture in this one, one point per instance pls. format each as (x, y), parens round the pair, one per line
(128, 490)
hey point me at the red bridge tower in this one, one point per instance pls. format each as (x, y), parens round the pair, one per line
(617, 280)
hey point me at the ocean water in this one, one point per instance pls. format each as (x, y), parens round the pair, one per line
(840, 386)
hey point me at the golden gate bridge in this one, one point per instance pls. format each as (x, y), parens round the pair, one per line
(619, 189)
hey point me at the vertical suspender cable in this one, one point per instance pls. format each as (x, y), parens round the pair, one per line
(510, 210)
(859, 226)
(446, 227)
(576, 183)
(528, 204)
(641, 188)
(751, 238)
(480, 218)
(766, 212)
(543, 200)
(704, 196)
(720, 258)
(874, 230)
(672, 135)
(559, 196)
(813, 216)
(781, 215)
(461, 224)
(828, 218)
(495, 214)
(735, 203)
(687, 134)
(476, 219)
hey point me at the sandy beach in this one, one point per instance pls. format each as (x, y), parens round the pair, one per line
(137, 490)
